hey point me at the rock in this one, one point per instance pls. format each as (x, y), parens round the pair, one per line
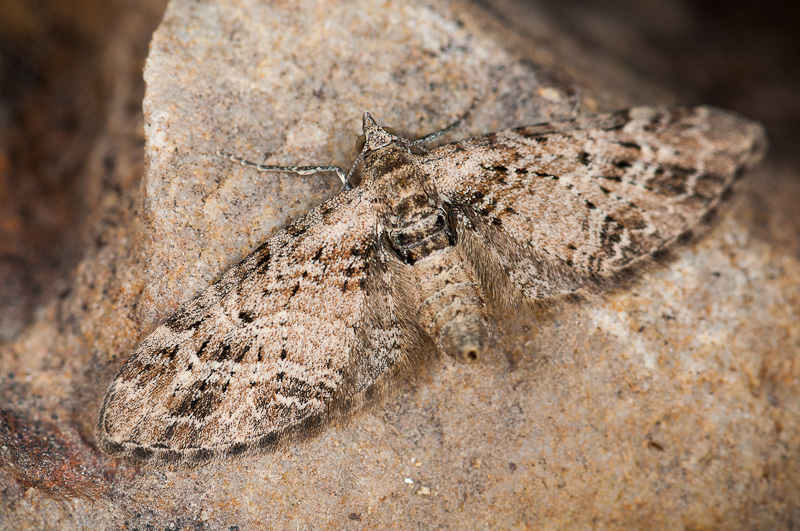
(672, 402)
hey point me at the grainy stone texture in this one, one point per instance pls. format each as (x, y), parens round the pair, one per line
(672, 403)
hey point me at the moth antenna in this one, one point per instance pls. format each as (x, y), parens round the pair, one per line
(299, 170)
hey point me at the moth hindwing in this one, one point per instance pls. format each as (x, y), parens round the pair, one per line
(371, 283)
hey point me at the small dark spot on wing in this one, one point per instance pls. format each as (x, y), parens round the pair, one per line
(237, 449)
(166, 435)
(201, 455)
(240, 353)
(181, 321)
(535, 133)
(660, 254)
(197, 403)
(167, 352)
(201, 351)
(223, 353)
(141, 453)
(686, 237)
(671, 182)
(296, 229)
(262, 262)
(709, 216)
(114, 447)
(170, 457)
(269, 440)
(630, 145)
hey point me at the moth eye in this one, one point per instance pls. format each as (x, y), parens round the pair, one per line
(390, 131)
(360, 141)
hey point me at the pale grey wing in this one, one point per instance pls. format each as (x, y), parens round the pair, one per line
(266, 353)
(557, 206)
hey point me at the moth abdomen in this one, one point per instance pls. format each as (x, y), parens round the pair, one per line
(452, 306)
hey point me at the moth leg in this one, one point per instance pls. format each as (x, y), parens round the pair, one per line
(299, 170)
(451, 306)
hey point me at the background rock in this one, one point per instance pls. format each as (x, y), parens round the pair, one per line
(672, 403)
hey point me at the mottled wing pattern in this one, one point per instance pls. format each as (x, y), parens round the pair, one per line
(559, 205)
(390, 338)
(269, 351)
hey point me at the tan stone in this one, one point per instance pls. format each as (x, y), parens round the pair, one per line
(670, 403)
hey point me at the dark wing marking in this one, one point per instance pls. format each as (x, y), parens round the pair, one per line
(562, 204)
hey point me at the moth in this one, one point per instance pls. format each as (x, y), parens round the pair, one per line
(326, 313)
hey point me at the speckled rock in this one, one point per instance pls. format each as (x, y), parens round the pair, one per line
(673, 402)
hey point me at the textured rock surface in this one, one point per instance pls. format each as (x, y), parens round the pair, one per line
(673, 402)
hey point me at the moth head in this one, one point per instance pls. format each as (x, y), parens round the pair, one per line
(375, 136)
